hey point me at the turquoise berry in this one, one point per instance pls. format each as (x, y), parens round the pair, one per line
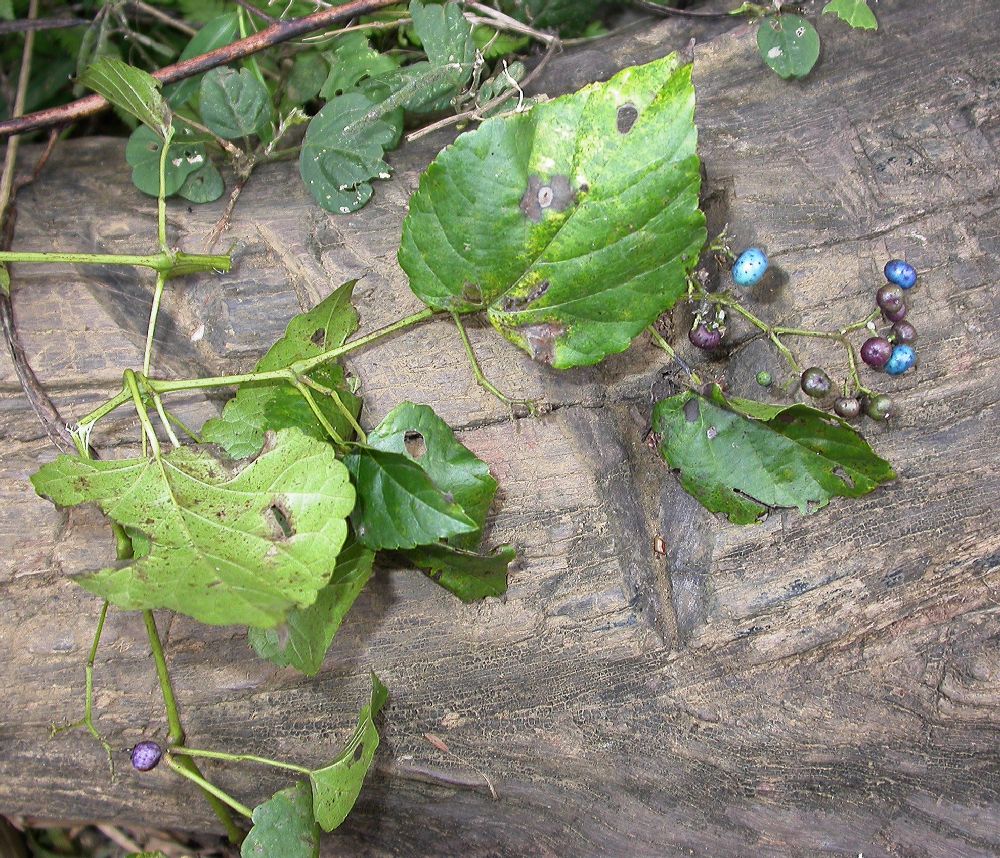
(749, 267)
(901, 273)
(903, 357)
(764, 378)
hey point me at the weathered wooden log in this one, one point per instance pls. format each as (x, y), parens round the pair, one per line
(826, 685)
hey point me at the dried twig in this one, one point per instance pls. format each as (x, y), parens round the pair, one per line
(670, 11)
(282, 31)
(25, 25)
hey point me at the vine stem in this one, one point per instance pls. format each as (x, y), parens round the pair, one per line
(280, 31)
(663, 344)
(162, 262)
(212, 792)
(183, 765)
(240, 758)
(760, 324)
(480, 376)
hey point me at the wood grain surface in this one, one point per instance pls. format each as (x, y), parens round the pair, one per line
(809, 686)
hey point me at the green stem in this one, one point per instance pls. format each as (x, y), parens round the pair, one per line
(185, 766)
(306, 394)
(104, 410)
(140, 409)
(240, 758)
(339, 403)
(663, 344)
(208, 787)
(158, 404)
(727, 301)
(166, 262)
(161, 199)
(480, 376)
(180, 424)
(154, 311)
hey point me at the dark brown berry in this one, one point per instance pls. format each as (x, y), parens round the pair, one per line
(876, 352)
(897, 316)
(847, 407)
(889, 298)
(815, 382)
(904, 332)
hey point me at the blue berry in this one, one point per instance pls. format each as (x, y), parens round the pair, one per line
(901, 273)
(903, 357)
(146, 755)
(749, 267)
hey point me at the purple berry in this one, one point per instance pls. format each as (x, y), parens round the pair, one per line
(146, 755)
(889, 298)
(847, 407)
(876, 352)
(705, 337)
(815, 382)
(904, 332)
(898, 316)
(901, 273)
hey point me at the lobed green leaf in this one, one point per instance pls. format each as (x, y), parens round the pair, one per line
(234, 103)
(855, 13)
(573, 225)
(129, 89)
(227, 545)
(741, 457)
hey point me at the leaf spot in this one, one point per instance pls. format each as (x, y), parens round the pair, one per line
(774, 53)
(282, 519)
(711, 432)
(800, 32)
(545, 197)
(318, 337)
(691, 410)
(359, 751)
(541, 340)
(557, 195)
(627, 115)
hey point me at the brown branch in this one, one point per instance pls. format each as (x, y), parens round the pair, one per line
(277, 33)
(26, 24)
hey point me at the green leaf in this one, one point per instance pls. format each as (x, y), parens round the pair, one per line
(305, 637)
(216, 33)
(445, 35)
(854, 12)
(466, 574)
(351, 61)
(496, 45)
(398, 504)
(7, 10)
(789, 44)
(202, 186)
(343, 148)
(143, 153)
(240, 546)
(260, 406)
(309, 72)
(335, 787)
(234, 103)
(129, 89)
(741, 457)
(284, 826)
(570, 17)
(574, 224)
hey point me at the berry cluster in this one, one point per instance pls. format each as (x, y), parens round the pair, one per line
(893, 352)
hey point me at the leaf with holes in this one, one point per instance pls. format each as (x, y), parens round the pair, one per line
(855, 13)
(263, 405)
(202, 186)
(335, 787)
(284, 825)
(227, 545)
(352, 60)
(306, 635)
(416, 432)
(142, 152)
(742, 457)
(129, 89)
(343, 148)
(216, 33)
(789, 44)
(234, 103)
(573, 225)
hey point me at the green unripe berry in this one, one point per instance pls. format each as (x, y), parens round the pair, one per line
(879, 407)
(815, 382)
(764, 379)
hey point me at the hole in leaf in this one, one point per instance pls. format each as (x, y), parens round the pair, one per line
(691, 410)
(282, 520)
(541, 340)
(545, 197)
(840, 472)
(415, 444)
(627, 115)
(319, 335)
(359, 751)
(472, 293)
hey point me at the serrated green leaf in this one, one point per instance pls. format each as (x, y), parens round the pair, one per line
(855, 13)
(465, 574)
(352, 60)
(398, 504)
(306, 635)
(742, 457)
(202, 186)
(343, 148)
(789, 44)
(335, 787)
(129, 89)
(444, 33)
(309, 72)
(260, 406)
(94, 44)
(215, 33)
(574, 224)
(234, 103)
(228, 546)
(142, 152)
(283, 826)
